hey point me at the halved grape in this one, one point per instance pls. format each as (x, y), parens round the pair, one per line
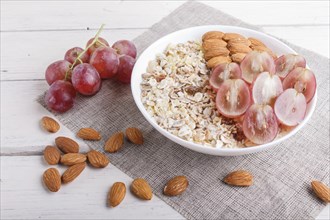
(72, 54)
(60, 96)
(266, 88)
(105, 60)
(303, 80)
(286, 63)
(255, 63)
(260, 124)
(290, 107)
(125, 47)
(222, 72)
(85, 79)
(96, 45)
(56, 71)
(126, 64)
(233, 98)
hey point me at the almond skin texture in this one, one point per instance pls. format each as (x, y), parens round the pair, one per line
(176, 186)
(238, 57)
(50, 124)
(212, 35)
(256, 42)
(232, 36)
(262, 49)
(321, 191)
(141, 188)
(73, 172)
(114, 143)
(97, 159)
(52, 155)
(67, 145)
(116, 194)
(218, 60)
(240, 41)
(89, 134)
(52, 179)
(239, 178)
(219, 51)
(72, 159)
(213, 43)
(238, 48)
(134, 135)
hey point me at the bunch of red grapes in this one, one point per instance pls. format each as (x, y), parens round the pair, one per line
(83, 69)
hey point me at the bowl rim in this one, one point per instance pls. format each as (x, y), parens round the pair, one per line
(136, 77)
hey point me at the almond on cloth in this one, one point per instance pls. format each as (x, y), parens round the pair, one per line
(72, 159)
(89, 134)
(73, 172)
(52, 179)
(52, 155)
(213, 43)
(212, 35)
(232, 36)
(134, 135)
(176, 186)
(49, 124)
(213, 62)
(116, 194)
(141, 188)
(239, 178)
(114, 143)
(97, 159)
(67, 145)
(321, 190)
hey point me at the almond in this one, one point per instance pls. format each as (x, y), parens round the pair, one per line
(239, 178)
(321, 191)
(67, 145)
(89, 134)
(218, 60)
(134, 135)
(220, 51)
(114, 143)
(97, 159)
(73, 172)
(232, 36)
(50, 124)
(52, 179)
(176, 186)
(52, 155)
(256, 42)
(116, 194)
(238, 48)
(240, 41)
(212, 35)
(213, 43)
(264, 49)
(238, 57)
(72, 159)
(141, 189)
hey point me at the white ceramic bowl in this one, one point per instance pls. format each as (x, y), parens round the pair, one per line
(195, 33)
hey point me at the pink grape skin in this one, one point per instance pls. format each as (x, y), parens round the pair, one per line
(223, 72)
(85, 79)
(106, 62)
(56, 71)
(125, 47)
(125, 68)
(72, 54)
(96, 45)
(60, 96)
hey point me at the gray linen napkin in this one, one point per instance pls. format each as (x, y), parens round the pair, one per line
(282, 175)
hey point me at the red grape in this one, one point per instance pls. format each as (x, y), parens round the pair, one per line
(60, 96)
(286, 63)
(255, 63)
(290, 107)
(233, 98)
(56, 71)
(222, 72)
(126, 64)
(302, 80)
(72, 54)
(96, 45)
(260, 124)
(85, 79)
(106, 62)
(125, 47)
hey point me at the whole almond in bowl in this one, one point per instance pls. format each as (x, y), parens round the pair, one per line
(52, 179)
(89, 134)
(176, 186)
(116, 194)
(114, 143)
(72, 159)
(50, 124)
(73, 172)
(239, 178)
(67, 145)
(141, 188)
(97, 159)
(134, 135)
(213, 35)
(321, 191)
(52, 155)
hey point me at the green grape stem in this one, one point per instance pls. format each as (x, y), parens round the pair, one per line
(84, 51)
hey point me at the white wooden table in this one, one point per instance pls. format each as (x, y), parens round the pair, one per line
(36, 33)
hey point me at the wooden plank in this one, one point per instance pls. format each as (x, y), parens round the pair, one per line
(137, 14)
(23, 195)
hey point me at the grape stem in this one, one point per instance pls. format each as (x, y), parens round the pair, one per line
(84, 51)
